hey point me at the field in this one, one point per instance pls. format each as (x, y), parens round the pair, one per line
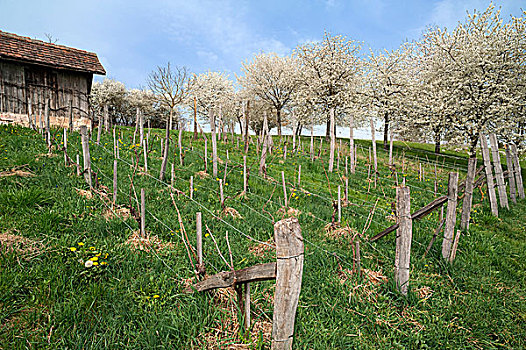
(51, 225)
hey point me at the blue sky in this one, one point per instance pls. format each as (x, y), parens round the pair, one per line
(132, 37)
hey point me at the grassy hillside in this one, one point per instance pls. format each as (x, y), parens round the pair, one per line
(51, 226)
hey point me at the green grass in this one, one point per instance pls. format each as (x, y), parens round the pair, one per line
(50, 300)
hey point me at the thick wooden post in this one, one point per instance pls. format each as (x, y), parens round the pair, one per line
(264, 133)
(85, 154)
(289, 272)
(143, 214)
(404, 237)
(333, 140)
(284, 189)
(114, 181)
(285, 152)
(511, 175)
(501, 185)
(451, 215)
(489, 175)
(468, 194)
(518, 170)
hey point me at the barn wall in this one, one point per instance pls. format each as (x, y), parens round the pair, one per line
(24, 89)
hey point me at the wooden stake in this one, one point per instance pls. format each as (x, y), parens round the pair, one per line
(451, 215)
(85, 154)
(518, 170)
(404, 237)
(511, 175)
(65, 147)
(351, 142)
(333, 140)
(191, 187)
(206, 156)
(114, 181)
(455, 247)
(172, 177)
(346, 189)
(489, 176)
(247, 306)
(245, 184)
(284, 189)
(339, 205)
(373, 136)
(358, 262)
(289, 271)
(199, 233)
(180, 144)
(145, 156)
(285, 152)
(143, 214)
(262, 162)
(468, 194)
(221, 193)
(391, 146)
(214, 144)
(78, 165)
(499, 176)
(299, 174)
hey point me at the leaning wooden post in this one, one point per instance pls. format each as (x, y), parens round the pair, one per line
(289, 271)
(404, 237)
(199, 246)
(114, 181)
(511, 176)
(265, 136)
(285, 152)
(518, 170)
(489, 175)
(455, 247)
(468, 194)
(143, 214)
(451, 215)
(284, 189)
(85, 154)
(501, 185)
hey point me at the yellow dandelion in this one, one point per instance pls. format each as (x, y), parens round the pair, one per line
(156, 296)
(95, 263)
(80, 244)
(73, 249)
(95, 258)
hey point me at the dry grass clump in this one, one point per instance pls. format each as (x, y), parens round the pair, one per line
(16, 171)
(261, 249)
(84, 193)
(225, 334)
(22, 246)
(148, 243)
(424, 292)
(331, 226)
(122, 213)
(228, 211)
(335, 231)
(368, 288)
(202, 174)
(289, 211)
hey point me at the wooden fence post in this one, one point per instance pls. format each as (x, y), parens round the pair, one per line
(284, 189)
(214, 143)
(357, 251)
(455, 247)
(114, 181)
(339, 204)
(391, 146)
(373, 136)
(48, 133)
(451, 215)
(333, 140)
(179, 143)
(289, 271)
(299, 174)
(143, 214)
(489, 175)
(65, 147)
(85, 154)
(99, 131)
(78, 164)
(351, 142)
(144, 148)
(199, 246)
(404, 237)
(501, 185)
(222, 198)
(518, 170)
(511, 175)
(468, 193)
(245, 174)
(191, 187)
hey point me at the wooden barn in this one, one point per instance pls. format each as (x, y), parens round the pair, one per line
(39, 79)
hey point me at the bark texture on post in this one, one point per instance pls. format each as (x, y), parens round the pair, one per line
(351, 142)
(405, 235)
(373, 137)
(115, 182)
(499, 175)
(468, 194)
(214, 143)
(489, 176)
(284, 189)
(143, 214)
(262, 162)
(333, 140)
(289, 272)
(451, 215)
(391, 146)
(166, 146)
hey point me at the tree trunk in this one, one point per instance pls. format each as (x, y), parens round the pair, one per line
(386, 131)
(278, 115)
(333, 141)
(437, 142)
(195, 118)
(328, 129)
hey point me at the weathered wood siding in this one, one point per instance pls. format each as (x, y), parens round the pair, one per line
(22, 85)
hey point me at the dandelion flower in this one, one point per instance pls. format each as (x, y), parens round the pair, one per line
(95, 263)
(156, 296)
(80, 244)
(95, 258)
(73, 249)
(91, 248)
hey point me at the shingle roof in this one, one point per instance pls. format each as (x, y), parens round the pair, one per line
(22, 48)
